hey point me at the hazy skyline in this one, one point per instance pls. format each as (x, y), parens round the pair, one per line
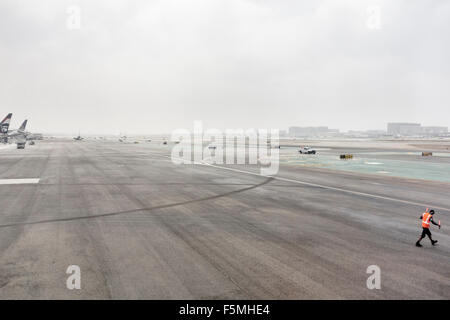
(154, 66)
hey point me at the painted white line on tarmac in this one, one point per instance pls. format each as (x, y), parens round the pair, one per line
(18, 181)
(369, 195)
(425, 205)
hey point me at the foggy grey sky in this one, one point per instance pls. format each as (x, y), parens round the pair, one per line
(153, 66)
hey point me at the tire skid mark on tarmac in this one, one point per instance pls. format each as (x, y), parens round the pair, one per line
(109, 214)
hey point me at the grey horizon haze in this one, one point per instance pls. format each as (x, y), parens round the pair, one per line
(154, 66)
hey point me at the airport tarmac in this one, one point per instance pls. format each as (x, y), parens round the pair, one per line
(141, 227)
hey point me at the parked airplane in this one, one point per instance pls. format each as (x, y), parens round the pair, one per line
(19, 132)
(4, 127)
(79, 138)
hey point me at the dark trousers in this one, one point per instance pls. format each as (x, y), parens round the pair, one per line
(425, 232)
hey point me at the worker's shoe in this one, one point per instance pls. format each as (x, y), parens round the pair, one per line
(433, 242)
(418, 244)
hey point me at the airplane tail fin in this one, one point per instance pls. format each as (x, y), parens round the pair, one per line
(23, 126)
(4, 125)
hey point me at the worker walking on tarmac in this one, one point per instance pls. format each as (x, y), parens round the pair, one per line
(426, 218)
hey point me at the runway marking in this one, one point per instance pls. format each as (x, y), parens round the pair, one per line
(425, 205)
(18, 181)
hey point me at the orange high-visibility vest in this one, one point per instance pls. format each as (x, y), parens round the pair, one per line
(426, 220)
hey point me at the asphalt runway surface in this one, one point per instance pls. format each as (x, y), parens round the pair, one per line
(141, 227)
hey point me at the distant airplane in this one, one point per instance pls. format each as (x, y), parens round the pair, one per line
(19, 132)
(79, 138)
(4, 127)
